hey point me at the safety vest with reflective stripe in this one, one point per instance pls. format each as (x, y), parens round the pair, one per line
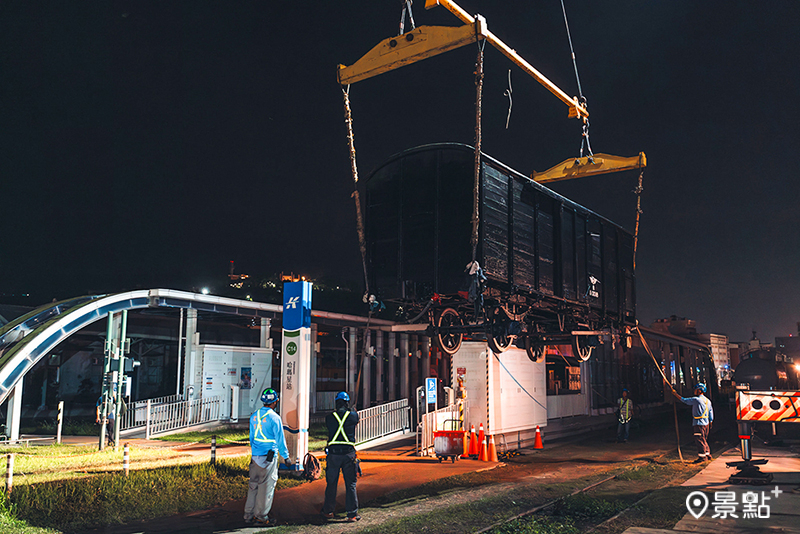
(707, 408)
(341, 431)
(259, 435)
(625, 410)
(702, 411)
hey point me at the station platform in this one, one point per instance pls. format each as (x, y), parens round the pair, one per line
(783, 494)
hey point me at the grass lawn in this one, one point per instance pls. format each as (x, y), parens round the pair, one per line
(317, 436)
(103, 497)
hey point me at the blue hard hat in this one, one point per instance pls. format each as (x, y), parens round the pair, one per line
(701, 387)
(625, 390)
(269, 396)
(342, 395)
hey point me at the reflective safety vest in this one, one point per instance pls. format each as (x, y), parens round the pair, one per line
(705, 413)
(259, 434)
(346, 440)
(624, 410)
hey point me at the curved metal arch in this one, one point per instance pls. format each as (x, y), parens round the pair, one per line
(21, 326)
(26, 352)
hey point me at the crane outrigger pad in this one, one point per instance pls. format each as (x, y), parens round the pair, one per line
(413, 46)
(590, 166)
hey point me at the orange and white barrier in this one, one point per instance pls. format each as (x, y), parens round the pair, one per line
(769, 406)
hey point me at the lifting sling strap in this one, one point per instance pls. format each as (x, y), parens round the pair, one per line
(341, 431)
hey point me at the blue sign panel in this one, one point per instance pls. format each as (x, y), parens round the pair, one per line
(430, 387)
(296, 305)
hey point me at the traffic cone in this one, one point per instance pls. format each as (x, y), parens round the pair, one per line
(484, 457)
(537, 442)
(492, 450)
(481, 435)
(465, 448)
(473, 442)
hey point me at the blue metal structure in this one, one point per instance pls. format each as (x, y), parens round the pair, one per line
(24, 341)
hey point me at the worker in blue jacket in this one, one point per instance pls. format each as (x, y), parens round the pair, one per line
(702, 417)
(266, 442)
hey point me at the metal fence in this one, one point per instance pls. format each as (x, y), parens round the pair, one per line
(379, 421)
(136, 416)
(173, 416)
(442, 419)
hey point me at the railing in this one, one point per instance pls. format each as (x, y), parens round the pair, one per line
(173, 416)
(442, 419)
(379, 421)
(136, 416)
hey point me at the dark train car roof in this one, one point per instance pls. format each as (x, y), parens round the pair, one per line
(496, 163)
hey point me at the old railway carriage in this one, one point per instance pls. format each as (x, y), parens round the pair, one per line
(554, 271)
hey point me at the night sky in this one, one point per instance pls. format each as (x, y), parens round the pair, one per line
(146, 144)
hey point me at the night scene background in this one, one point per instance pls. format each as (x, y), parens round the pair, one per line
(147, 144)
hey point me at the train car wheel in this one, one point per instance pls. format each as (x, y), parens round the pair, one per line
(581, 348)
(498, 333)
(498, 342)
(448, 342)
(534, 350)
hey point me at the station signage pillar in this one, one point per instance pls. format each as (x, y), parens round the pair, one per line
(296, 368)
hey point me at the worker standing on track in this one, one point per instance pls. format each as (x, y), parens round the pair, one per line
(266, 439)
(624, 415)
(703, 416)
(341, 455)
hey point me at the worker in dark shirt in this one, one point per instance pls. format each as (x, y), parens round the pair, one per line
(341, 455)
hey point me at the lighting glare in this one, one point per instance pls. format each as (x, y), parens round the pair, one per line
(204, 291)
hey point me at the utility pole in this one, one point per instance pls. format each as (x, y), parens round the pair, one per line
(109, 348)
(124, 348)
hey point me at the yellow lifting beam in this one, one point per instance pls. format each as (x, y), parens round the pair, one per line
(591, 166)
(429, 41)
(413, 46)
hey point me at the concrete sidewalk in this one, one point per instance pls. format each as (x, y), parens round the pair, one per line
(783, 494)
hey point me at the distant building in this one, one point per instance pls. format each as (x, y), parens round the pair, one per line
(716, 343)
(733, 352)
(719, 352)
(790, 346)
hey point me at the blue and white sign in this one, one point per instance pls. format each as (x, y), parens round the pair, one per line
(296, 305)
(430, 387)
(296, 368)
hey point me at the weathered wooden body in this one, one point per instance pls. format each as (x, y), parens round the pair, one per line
(546, 258)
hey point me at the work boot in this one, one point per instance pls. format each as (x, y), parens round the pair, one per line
(326, 515)
(698, 461)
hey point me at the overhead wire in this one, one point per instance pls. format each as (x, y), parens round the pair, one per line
(507, 93)
(585, 131)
